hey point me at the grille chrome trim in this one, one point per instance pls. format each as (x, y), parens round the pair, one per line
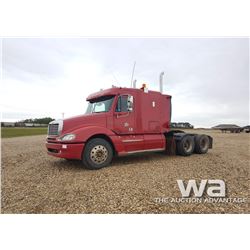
(55, 128)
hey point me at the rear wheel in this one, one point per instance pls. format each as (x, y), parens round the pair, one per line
(185, 146)
(201, 144)
(97, 154)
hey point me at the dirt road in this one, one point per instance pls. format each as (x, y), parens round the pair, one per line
(33, 182)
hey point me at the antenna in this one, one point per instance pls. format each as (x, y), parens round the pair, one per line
(133, 74)
(134, 84)
(114, 77)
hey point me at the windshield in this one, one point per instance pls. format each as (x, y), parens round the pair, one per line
(99, 105)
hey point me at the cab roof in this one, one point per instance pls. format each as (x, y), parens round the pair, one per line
(119, 90)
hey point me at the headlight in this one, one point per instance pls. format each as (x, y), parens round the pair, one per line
(68, 137)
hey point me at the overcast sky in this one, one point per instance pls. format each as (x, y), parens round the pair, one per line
(208, 78)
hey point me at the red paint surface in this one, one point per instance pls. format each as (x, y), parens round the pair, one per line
(141, 129)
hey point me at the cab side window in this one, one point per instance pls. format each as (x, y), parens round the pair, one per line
(124, 104)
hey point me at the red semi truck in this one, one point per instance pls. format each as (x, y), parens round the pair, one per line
(121, 121)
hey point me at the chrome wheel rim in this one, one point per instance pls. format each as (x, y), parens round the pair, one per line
(187, 146)
(204, 143)
(99, 154)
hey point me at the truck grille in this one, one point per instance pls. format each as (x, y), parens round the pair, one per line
(53, 129)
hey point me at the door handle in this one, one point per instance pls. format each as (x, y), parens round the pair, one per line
(118, 115)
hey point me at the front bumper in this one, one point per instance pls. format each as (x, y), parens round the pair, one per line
(65, 150)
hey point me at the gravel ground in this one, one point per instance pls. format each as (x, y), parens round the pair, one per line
(33, 182)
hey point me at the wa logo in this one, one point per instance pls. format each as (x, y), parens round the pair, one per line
(213, 188)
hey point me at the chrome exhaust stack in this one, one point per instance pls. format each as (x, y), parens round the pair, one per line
(161, 81)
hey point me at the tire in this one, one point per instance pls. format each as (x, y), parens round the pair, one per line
(201, 144)
(185, 146)
(97, 154)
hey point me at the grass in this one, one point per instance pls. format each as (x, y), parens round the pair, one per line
(14, 132)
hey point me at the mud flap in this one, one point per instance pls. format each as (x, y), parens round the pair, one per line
(210, 141)
(170, 145)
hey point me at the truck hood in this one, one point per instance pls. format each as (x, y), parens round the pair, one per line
(81, 121)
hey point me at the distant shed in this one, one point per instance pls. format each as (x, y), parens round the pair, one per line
(228, 127)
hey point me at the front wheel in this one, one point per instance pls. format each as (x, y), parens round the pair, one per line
(97, 154)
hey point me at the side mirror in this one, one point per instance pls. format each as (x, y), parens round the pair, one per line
(130, 103)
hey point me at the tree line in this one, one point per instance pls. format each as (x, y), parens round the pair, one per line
(45, 120)
(36, 122)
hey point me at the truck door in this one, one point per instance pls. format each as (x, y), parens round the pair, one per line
(124, 115)
(124, 123)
